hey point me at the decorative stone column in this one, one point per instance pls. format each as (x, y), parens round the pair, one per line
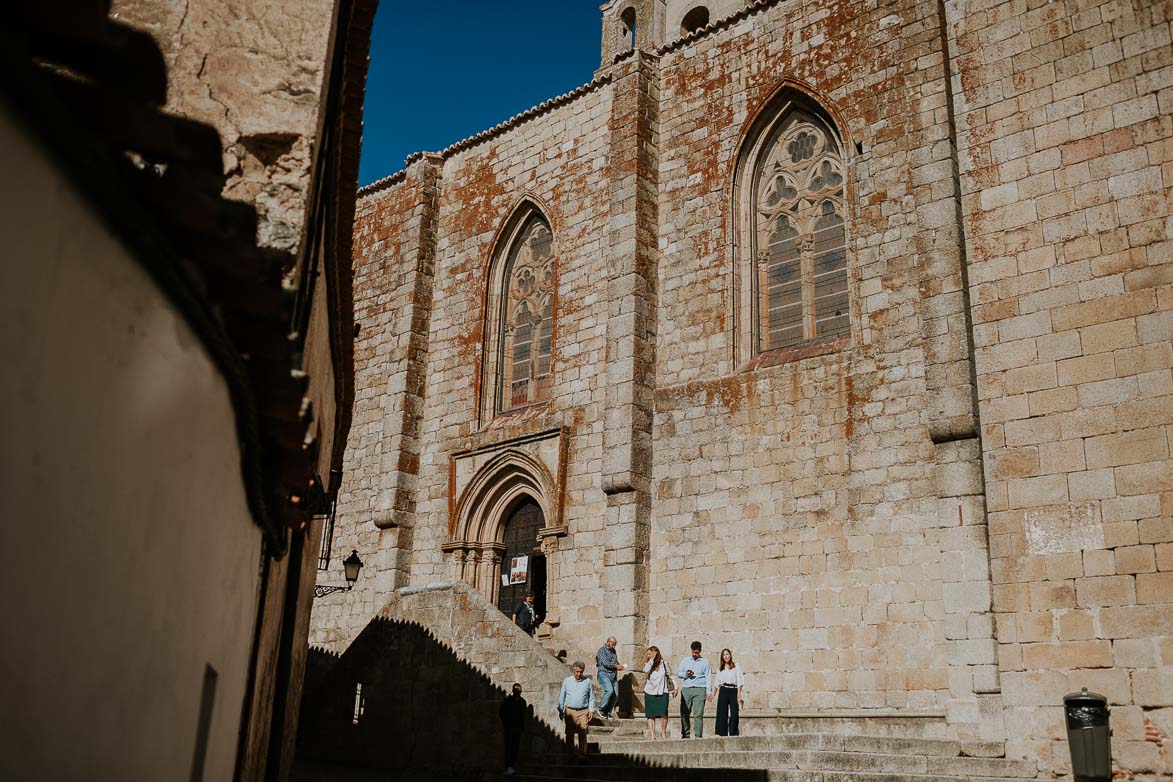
(553, 616)
(488, 580)
(458, 558)
(472, 564)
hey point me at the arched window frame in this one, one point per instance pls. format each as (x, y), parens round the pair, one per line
(764, 130)
(628, 29)
(696, 18)
(494, 375)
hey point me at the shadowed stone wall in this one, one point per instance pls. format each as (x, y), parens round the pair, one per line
(433, 669)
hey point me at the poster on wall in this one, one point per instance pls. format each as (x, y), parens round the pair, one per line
(519, 570)
(504, 579)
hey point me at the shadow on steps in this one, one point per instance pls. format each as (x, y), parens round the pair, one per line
(399, 705)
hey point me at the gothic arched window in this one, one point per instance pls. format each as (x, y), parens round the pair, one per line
(526, 317)
(793, 233)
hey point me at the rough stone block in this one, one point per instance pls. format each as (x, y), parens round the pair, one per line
(1152, 687)
(1136, 621)
(1154, 588)
(1097, 591)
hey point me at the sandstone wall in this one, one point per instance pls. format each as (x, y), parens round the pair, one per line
(822, 468)
(745, 449)
(795, 513)
(824, 514)
(424, 242)
(1067, 163)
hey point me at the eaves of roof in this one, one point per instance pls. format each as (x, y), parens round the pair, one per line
(713, 27)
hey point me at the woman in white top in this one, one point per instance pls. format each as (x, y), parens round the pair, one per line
(728, 684)
(656, 690)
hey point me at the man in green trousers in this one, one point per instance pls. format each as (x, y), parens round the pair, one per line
(695, 674)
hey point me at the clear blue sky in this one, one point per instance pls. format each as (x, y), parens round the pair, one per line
(443, 70)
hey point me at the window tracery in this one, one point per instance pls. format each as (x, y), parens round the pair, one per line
(798, 234)
(527, 318)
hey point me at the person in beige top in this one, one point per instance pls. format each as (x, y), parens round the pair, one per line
(656, 691)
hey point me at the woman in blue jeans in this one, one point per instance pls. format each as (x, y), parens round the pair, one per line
(609, 667)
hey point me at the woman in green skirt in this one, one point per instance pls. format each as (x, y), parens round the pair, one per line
(656, 692)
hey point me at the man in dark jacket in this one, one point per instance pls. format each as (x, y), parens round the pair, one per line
(524, 614)
(512, 714)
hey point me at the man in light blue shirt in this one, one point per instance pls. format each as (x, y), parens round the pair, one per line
(576, 707)
(695, 675)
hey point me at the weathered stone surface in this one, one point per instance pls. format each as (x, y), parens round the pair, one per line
(253, 71)
(966, 499)
(1061, 154)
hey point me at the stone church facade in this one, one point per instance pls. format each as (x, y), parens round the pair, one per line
(836, 333)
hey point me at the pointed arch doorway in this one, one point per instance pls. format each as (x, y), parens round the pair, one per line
(502, 541)
(523, 563)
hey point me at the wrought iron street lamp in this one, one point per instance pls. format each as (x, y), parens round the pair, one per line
(351, 565)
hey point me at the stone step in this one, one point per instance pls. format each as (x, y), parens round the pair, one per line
(630, 774)
(772, 722)
(892, 745)
(818, 760)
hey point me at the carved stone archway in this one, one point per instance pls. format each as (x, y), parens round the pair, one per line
(477, 542)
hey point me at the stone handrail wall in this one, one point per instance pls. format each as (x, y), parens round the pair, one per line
(461, 618)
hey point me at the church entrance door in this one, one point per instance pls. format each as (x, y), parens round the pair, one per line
(523, 566)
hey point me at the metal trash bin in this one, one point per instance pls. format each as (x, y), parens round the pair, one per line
(1088, 736)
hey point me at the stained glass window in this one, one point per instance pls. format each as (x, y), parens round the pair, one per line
(799, 235)
(527, 318)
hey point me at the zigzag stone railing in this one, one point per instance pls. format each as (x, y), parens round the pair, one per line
(460, 618)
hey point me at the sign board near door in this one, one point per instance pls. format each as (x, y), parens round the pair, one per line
(519, 570)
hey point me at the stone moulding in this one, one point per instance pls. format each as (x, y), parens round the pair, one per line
(787, 95)
(486, 481)
(495, 303)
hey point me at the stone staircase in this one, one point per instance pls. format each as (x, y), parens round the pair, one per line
(460, 618)
(435, 662)
(797, 757)
(777, 722)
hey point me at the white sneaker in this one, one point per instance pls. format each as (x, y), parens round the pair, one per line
(509, 771)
